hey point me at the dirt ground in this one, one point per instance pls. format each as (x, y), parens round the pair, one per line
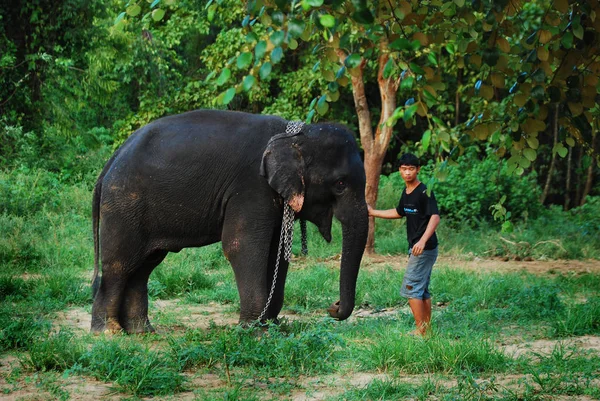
(316, 388)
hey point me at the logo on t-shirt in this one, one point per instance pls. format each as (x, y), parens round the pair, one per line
(409, 210)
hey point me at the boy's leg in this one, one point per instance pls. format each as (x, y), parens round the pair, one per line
(421, 310)
(415, 287)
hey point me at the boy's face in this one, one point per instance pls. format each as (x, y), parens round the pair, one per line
(409, 173)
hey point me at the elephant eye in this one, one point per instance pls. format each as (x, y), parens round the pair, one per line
(339, 186)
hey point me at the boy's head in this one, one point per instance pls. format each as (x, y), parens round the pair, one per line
(409, 167)
(408, 159)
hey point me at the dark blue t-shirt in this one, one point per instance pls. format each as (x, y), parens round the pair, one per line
(418, 208)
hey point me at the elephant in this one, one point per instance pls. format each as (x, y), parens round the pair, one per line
(205, 176)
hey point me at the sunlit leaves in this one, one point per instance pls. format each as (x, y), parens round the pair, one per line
(248, 82)
(353, 60)
(158, 14)
(322, 105)
(134, 10)
(265, 70)
(244, 60)
(327, 20)
(276, 55)
(260, 49)
(226, 97)
(224, 77)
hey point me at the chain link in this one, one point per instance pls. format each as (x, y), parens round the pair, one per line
(287, 228)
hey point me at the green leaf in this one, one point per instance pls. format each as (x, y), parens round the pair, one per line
(293, 44)
(426, 139)
(400, 44)
(313, 3)
(567, 40)
(410, 112)
(353, 60)
(432, 59)
(248, 82)
(154, 3)
(244, 60)
(416, 68)
(578, 31)
(328, 21)
(296, 28)
(260, 49)
(224, 77)
(251, 37)
(322, 105)
(277, 38)
(228, 96)
(363, 16)
(133, 10)
(530, 154)
(451, 48)
(119, 18)
(158, 14)
(459, 3)
(340, 72)
(276, 55)
(265, 70)
(388, 69)
(407, 83)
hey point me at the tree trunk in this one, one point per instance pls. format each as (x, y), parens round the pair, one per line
(459, 75)
(590, 171)
(578, 186)
(375, 145)
(553, 162)
(567, 203)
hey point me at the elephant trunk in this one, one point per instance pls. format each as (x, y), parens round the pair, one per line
(354, 230)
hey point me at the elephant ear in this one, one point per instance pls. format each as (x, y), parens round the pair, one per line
(283, 167)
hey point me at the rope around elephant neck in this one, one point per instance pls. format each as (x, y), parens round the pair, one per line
(285, 242)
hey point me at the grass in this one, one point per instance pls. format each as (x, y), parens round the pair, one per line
(46, 264)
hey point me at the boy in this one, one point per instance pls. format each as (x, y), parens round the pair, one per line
(422, 218)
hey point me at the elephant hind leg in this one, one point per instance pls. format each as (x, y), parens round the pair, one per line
(133, 314)
(105, 311)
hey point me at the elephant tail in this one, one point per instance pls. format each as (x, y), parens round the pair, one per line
(96, 229)
(96, 223)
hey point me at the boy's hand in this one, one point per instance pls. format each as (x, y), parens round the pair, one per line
(370, 209)
(418, 248)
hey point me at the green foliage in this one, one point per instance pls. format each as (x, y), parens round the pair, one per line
(578, 319)
(58, 352)
(19, 328)
(132, 367)
(469, 191)
(413, 355)
(299, 349)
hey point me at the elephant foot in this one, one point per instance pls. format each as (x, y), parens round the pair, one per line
(108, 326)
(138, 326)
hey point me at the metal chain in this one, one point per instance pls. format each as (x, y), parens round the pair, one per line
(287, 228)
(285, 242)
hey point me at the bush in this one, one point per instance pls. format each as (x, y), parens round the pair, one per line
(470, 189)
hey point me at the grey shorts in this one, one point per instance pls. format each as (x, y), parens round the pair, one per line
(418, 274)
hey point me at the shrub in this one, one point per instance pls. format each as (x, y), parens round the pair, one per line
(470, 189)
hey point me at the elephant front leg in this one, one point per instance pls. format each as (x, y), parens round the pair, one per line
(249, 252)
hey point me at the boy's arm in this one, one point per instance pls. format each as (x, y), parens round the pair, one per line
(418, 248)
(384, 214)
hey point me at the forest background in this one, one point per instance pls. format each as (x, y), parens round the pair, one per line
(499, 97)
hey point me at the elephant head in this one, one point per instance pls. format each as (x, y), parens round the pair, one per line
(320, 174)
